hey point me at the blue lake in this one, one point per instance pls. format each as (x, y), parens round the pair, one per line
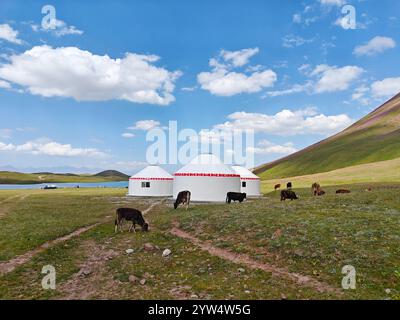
(112, 184)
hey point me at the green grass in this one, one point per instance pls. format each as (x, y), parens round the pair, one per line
(8, 177)
(374, 138)
(382, 171)
(319, 236)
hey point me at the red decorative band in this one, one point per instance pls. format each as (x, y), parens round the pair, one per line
(249, 178)
(151, 178)
(219, 175)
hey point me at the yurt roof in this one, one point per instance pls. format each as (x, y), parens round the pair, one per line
(152, 173)
(206, 164)
(245, 173)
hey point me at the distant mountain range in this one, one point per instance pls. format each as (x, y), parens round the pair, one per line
(376, 137)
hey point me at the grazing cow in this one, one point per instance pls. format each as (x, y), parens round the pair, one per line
(320, 192)
(342, 191)
(235, 196)
(182, 198)
(315, 188)
(288, 194)
(289, 185)
(368, 189)
(130, 214)
(277, 186)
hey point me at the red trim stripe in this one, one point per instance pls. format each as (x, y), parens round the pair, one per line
(249, 178)
(218, 175)
(151, 178)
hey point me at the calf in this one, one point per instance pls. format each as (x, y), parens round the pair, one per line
(320, 192)
(235, 196)
(315, 188)
(277, 186)
(129, 214)
(288, 194)
(289, 185)
(342, 191)
(182, 198)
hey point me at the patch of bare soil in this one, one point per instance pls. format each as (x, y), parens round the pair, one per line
(253, 264)
(93, 277)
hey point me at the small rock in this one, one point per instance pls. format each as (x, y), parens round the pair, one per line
(247, 291)
(388, 291)
(133, 278)
(299, 252)
(148, 247)
(85, 271)
(241, 270)
(129, 251)
(143, 282)
(283, 296)
(194, 296)
(166, 253)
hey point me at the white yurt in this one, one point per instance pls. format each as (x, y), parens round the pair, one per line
(152, 181)
(249, 182)
(207, 178)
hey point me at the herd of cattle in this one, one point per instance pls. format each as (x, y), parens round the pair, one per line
(183, 198)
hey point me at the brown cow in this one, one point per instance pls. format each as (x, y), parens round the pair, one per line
(315, 188)
(320, 192)
(277, 186)
(342, 191)
(183, 198)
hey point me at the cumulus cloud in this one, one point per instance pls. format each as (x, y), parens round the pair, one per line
(359, 95)
(84, 76)
(4, 84)
(297, 88)
(332, 78)
(385, 88)
(52, 148)
(267, 147)
(9, 34)
(375, 46)
(145, 125)
(223, 81)
(287, 122)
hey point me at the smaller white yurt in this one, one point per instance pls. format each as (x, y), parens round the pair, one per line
(207, 178)
(249, 182)
(152, 181)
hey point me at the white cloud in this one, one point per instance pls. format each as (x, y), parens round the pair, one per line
(52, 148)
(297, 88)
(333, 2)
(127, 135)
(291, 41)
(297, 18)
(287, 122)
(60, 29)
(332, 78)
(145, 125)
(4, 84)
(222, 81)
(5, 133)
(375, 46)
(267, 147)
(9, 34)
(239, 58)
(71, 72)
(386, 88)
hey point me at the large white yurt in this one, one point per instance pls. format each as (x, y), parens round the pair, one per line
(249, 182)
(207, 178)
(152, 181)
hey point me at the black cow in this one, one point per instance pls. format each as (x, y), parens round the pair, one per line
(235, 196)
(288, 194)
(129, 214)
(289, 185)
(182, 198)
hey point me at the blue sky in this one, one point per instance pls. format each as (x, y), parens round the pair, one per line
(82, 95)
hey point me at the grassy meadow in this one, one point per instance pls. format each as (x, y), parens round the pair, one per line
(313, 237)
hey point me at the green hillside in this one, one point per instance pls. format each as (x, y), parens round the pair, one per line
(376, 137)
(8, 177)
